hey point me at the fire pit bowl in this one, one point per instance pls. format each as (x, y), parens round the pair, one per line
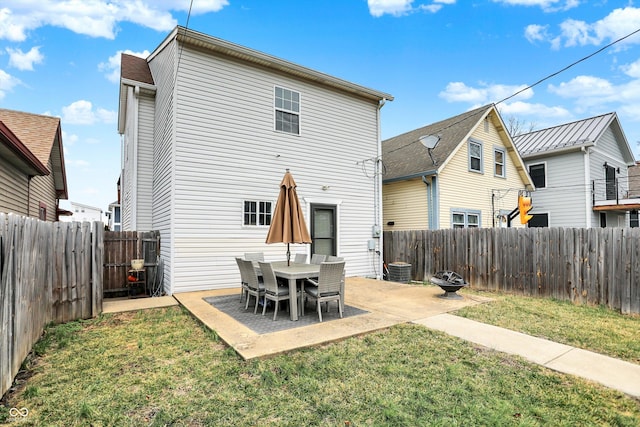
(450, 282)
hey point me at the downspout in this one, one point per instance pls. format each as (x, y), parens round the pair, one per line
(134, 159)
(587, 185)
(377, 189)
(432, 201)
(29, 193)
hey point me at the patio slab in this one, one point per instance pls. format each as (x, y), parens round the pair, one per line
(386, 304)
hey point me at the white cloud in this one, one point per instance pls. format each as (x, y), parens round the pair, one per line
(545, 5)
(95, 18)
(534, 33)
(378, 8)
(68, 139)
(632, 70)
(111, 67)
(619, 23)
(520, 108)
(7, 83)
(82, 113)
(584, 87)
(460, 92)
(24, 61)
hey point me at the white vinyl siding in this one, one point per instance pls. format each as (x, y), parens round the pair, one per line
(145, 163)
(565, 192)
(226, 151)
(42, 190)
(162, 68)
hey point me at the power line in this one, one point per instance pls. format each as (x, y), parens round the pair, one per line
(186, 27)
(530, 86)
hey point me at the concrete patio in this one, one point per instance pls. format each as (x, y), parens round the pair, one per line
(386, 303)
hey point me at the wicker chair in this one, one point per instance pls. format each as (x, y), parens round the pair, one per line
(273, 290)
(327, 288)
(300, 259)
(318, 258)
(255, 286)
(254, 256)
(244, 286)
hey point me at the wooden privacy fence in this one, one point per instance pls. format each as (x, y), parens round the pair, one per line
(120, 247)
(49, 272)
(589, 266)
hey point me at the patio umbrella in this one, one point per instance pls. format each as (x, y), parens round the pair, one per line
(287, 223)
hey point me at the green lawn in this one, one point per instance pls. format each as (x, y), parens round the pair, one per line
(161, 367)
(591, 328)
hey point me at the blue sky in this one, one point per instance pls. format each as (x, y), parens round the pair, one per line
(438, 58)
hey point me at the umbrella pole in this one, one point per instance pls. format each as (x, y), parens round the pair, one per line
(288, 256)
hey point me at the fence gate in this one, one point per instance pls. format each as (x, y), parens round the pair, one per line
(120, 247)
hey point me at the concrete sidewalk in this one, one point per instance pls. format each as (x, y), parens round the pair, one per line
(610, 372)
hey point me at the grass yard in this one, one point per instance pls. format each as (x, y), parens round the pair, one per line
(161, 367)
(597, 329)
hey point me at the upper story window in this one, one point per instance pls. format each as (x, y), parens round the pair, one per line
(42, 211)
(538, 175)
(498, 162)
(257, 213)
(475, 156)
(287, 110)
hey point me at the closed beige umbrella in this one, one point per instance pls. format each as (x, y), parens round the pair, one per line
(287, 223)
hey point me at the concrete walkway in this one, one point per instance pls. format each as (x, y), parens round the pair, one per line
(389, 303)
(610, 372)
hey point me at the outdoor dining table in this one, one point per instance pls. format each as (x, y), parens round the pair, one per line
(292, 273)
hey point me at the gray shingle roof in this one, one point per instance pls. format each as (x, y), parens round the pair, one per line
(405, 157)
(569, 135)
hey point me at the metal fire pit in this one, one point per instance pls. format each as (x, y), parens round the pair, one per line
(450, 282)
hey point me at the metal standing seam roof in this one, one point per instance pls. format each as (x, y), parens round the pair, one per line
(566, 136)
(405, 157)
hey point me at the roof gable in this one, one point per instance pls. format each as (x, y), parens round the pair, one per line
(405, 157)
(572, 136)
(135, 68)
(16, 153)
(42, 136)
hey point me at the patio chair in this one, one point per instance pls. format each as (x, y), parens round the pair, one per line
(274, 291)
(327, 288)
(255, 286)
(333, 258)
(300, 259)
(244, 286)
(318, 258)
(254, 256)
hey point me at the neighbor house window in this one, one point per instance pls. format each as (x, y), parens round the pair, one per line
(475, 156)
(498, 162)
(633, 219)
(539, 220)
(538, 175)
(257, 213)
(465, 219)
(287, 107)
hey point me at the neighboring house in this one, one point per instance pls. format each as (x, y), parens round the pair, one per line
(579, 170)
(31, 165)
(209, 129)
(115, 222)
(82, 213)
(470, 178)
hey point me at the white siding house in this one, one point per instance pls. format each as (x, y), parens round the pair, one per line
(580, 173)
(209, 129)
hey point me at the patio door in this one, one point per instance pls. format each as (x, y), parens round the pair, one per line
(610, 179)
(323, 229)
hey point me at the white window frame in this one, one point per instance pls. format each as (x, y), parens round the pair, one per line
(544, 164)
(260, 215)
(502, 151)
(466, 213)
(478, 143)
(280, 106)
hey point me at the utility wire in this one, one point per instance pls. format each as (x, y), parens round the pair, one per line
(186, 27)
(530, 86)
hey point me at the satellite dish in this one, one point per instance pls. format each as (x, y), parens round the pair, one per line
(429, 141)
